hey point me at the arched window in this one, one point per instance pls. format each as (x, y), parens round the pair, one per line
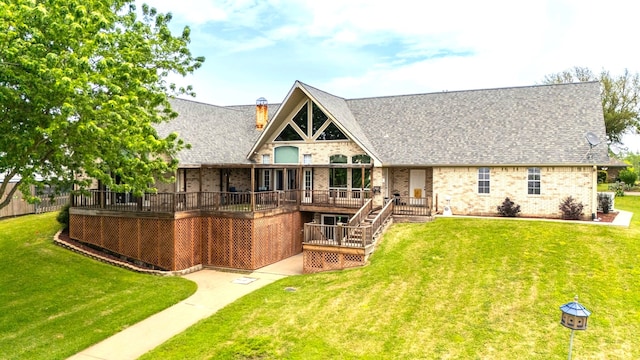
(286, 155)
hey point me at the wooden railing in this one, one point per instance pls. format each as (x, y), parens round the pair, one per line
(412, 206)
(335, 197)
(338, 235)
(218, 201)
(357, 218)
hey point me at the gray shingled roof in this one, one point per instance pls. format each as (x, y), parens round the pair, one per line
(339, 110)
(218, 135)
(535, 125)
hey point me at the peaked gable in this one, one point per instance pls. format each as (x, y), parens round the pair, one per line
(339, 121)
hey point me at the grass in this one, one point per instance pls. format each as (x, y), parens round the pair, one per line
(55, 303)
(450, 289)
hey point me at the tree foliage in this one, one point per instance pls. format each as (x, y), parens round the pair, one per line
(82, 82)
(620, 98)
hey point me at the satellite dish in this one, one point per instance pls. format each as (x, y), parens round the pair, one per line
(592, 139)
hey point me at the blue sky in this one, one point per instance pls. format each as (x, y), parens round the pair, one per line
(362, 48)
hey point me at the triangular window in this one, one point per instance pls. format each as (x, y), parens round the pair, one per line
(319, 118)
(331, 132)
(288, 134)
(301, 119)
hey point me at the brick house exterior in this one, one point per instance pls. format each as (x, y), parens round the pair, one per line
(466, 149)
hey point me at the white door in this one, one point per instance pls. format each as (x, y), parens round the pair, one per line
(417, 189)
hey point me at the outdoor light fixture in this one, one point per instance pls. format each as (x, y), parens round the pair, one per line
(574, 317)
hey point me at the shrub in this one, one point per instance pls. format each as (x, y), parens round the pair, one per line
(604, 202)
(618, 188)
(628, 176)
(63, 217)
(508, 208)
(602, 176)
(571, 209)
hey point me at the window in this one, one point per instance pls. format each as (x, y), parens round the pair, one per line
(266, 159)
(266, 180)
(331, 132)
(318, 118)
(338, 176)
(361, 159)
(533, 181)
(289, 134)
(306, 159)
(484, 176)
(286, 155)
(301, 119)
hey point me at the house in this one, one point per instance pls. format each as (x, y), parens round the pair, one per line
(322, 174)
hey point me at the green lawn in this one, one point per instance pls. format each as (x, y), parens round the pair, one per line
(450, 289)
(55, 303)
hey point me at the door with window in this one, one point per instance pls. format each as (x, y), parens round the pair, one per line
(417, 187)
(331, 221)
(307, 194)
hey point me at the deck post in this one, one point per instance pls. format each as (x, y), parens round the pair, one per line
(338, 234)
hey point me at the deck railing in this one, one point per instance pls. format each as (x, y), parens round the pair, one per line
(338, 235)
(412, 206)
(218, 201)
(335, 197)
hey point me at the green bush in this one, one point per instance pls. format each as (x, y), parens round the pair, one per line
(571, 209)
(602, 176)
(628, 176)
(508, 208)
(63, 217)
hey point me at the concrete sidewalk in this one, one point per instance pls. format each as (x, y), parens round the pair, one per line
(215, 290)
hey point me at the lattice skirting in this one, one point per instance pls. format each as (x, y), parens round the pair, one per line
(178, 244)
(323, 260)
(250, 244)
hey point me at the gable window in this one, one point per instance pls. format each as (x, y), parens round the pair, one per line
(288, 134)
(533, 181)
(484, 178)
(318, 118)
(301, 119)
(331, 132)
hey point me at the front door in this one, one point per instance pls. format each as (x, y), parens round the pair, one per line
(417, 188)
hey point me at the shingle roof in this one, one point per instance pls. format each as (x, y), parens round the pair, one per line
(218, 135)
(542, 125)
(534, 125)
(338, 109)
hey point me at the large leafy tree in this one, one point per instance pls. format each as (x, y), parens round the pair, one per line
(82, 82)
(620, 98)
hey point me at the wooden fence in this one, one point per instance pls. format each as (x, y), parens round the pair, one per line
(18, 206)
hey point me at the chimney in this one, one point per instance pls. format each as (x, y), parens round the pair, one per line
(262, 113)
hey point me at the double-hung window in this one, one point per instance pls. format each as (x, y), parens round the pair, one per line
(484, 178)
(533, 181)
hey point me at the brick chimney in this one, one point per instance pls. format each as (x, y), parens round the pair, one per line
(262, 113)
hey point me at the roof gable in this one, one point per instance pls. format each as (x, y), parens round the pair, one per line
(334, 107)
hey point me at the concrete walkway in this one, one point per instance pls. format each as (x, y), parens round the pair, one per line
(215, 290)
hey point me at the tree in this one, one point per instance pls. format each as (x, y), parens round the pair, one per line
(82, 82)
(620, 98)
